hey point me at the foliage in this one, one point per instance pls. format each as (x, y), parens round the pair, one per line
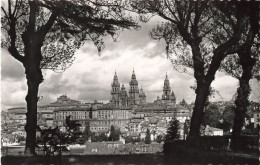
(250, 129)
(189, 21)
(198, 35)
(228, 115)
(99, 138)
(72, 132)
(50, 139)
(159, 139)
(173, 131)
(72, 23)
(132, 140)
(147, 139)
(114, 134)
(43, 34)
(212, 115)
(80, 140)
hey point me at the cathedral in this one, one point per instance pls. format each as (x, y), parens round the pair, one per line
(168, 96)
(120, 97)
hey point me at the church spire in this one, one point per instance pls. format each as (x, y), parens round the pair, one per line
(115, 91)
(166, 83)
(133, 75)
(133, 91)
(115, 80)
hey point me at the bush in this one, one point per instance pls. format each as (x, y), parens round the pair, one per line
(214, 142)
(249, 141)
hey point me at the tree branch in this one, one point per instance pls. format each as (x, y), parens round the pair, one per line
(9, 8)
(170, 9)
(165, 17)
(15, 7)
(6, 14)
(12, 49)
(45, 28)
(32, 17)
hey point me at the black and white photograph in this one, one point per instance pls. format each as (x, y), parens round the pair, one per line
(130, 82)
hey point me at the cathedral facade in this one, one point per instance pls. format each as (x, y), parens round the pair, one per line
(120, 97)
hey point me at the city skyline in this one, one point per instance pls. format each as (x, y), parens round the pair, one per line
(90, 76)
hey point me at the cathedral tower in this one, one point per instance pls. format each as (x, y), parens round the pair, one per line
(115, 92)
(142, 96)
(133, 91)
(166, 96)
(124, 100)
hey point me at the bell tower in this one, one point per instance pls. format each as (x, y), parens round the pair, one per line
(115, 92)
(133, 91)
(166, 96)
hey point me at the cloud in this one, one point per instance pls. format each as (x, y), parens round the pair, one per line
(91, 75)
(11, 68)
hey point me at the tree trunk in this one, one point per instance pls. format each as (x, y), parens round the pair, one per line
(33, 43)
(202, 93)
(30, 128)
(241, 101)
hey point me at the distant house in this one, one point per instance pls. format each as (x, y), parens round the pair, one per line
(99, 128)
(210, 131)
(103, 148)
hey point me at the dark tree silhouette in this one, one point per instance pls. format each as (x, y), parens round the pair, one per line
(244, 66)
(173, 131)
(228, 116)
(71, 124)
(147, 139)
(72, 132)
(43, 34)
(114, 134)
(159, 139)
(212, 115)
(50, 138)
(200, 35)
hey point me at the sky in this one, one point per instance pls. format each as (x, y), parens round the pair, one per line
(91, 75)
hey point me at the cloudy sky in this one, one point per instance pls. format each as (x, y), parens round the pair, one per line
(91, 75)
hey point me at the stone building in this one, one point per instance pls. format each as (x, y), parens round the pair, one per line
(142, 97)
(120, 97)
(168, 96)
(133, 91)
(79, 114)
(115, 92)
(109, 115)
